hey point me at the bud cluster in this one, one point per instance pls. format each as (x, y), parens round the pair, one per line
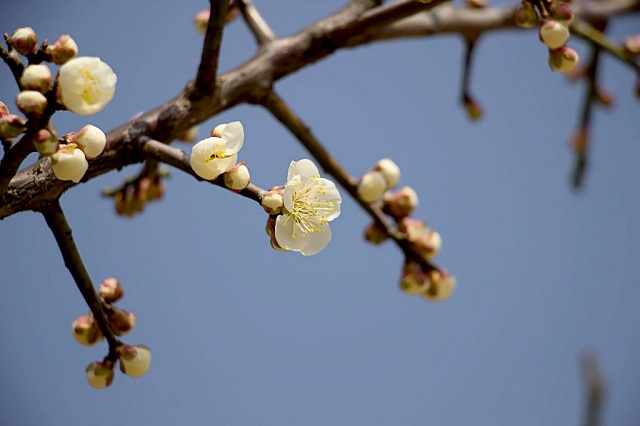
(433, 284)
(374, 183)
(132, 198)
(134, 360)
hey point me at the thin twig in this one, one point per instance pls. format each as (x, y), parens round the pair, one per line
(594, 387)
(207, 71)
(175, 157)
(61, 230)
(12, 59)
(256, 23)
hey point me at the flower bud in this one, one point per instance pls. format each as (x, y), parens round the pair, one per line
(24, 40)
(375, 234)
(31, 102)
(4, 110)
(442, 285)
(604, 97)
(121, 322)
(389, 170)
(553, 34)
(238, 177)
(427, 244)
(189, 135)
(473, 108)
(632, 44)
(402, 203)
(86, 331)
(90, 139)
(272, 202)
(477, 4)
(69, 163)
(12, 126)
(561, 12)
(134, 360)
(62, 50)
(36, 77)
(110, 290)
(100, 374)
(371, 186)
(414, 280)
(412, 228)
(526, 16)
(201, 21)
(563, 60)
(45, 143)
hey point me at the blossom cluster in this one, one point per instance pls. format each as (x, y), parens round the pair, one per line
(83, 85)
(134, 359)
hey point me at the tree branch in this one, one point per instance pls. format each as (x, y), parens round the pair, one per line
(13, 158)
(256, 23)
(61, 230)
(12, 59)
(206, 78)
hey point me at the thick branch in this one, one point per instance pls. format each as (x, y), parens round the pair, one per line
(206, 78)
(256, 23)
(61, 230)
(13, 158)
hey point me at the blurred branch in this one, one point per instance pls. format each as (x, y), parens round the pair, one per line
(258, 26)
(61, 230)
(207, 71)
(594, 387)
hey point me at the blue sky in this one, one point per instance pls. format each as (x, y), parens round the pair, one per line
(242, 334)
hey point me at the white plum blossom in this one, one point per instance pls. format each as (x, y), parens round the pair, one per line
(69, 163)
(218, 154)
(86, 85)
(91, 140)
(310, 203)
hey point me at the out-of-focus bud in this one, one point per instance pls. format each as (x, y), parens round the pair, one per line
(375, 234)
(62, 50)
(414, 280)
(477, 4)
(273, 201)
(270, 229)
(31, 102)
(576, 74)
(413, 228)
(4, 110)
(526, 16)
(100, 374)
(24, 40)
(156, 189)
(442, 285)
(36, 77)
(604, 97)
(12, 126)
(632, 44)
(134, 360)
(579, 140)
(401, 203)
(121, 322)
(238, 178)
(90, 139)
(86, 331)
(427, 244)
(111, 290)
(189, 135)
(371, 186)
(564, 59)
(473, 108)
(553, 34)
(201, 20)
(45, 143)
(561, 12)
(389, 170)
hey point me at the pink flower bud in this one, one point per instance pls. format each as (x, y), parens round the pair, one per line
(12, 126)
(45, 143)
(86, 331)
(62, 50)
(31, 102)
(24, 40)
(201, 20)
(564, 59)
(121, 322)
(375, 234)
(111, 290)
(414, 280)
(401, 203)
(561, 12)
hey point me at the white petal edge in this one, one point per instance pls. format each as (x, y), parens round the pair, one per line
(305, 168)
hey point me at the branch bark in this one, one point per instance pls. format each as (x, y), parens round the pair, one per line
(207, 71)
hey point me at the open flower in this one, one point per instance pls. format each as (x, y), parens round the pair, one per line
(69, 163)
(86, 85)
(310, 203)
(218, 154)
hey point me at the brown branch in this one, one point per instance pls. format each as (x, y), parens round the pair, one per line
(594, 387)
(207, 71)
(12, 59)
(13, 158)
(256, 23)
(61, 230)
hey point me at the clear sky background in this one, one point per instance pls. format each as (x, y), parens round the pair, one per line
(244, 335)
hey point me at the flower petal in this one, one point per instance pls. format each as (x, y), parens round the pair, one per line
(285, 227)
(316, 241)
(332, 195)
(305, 168)
(233, 133)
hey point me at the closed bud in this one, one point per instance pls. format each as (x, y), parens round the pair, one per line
(442, 285)
(90, 139)
(62, 50)
(238, 178)
(553, 34)
(24, 40)
(156, 189)
(45, 143)
(121, 322)
(427, 244)
(111, 290)
(31, 102)
(69, 163)
(561, 12)
(189, 135)
(414, 280)
(371, 186)
(201, 21)
(389, 170)
(375, 234)
(412, 228)
(564, 59)
(86, 331)
(134, 360)
(401, 203)
(273, 201)
(4, 110)
(100, 374)
(12, 126)
(36, 77)
(632, 44)
(526, 16)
